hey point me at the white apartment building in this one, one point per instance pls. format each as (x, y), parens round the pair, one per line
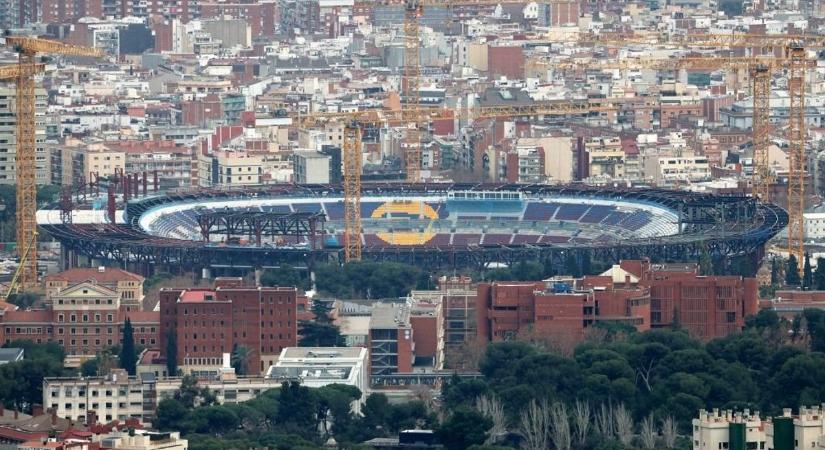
(119, 397)
(666, 170)
(8, 139)
(223, 168)
(721, 430)
(814, 226)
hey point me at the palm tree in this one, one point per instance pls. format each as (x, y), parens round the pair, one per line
(240, 359)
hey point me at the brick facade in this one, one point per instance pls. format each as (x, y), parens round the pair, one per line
(210, 322)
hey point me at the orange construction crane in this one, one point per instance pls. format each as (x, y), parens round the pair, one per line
(23, 75)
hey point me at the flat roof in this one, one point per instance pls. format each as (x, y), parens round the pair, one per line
(320, 352)
(390, 315)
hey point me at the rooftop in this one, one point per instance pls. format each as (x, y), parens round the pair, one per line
(390, 315)
(100, 275)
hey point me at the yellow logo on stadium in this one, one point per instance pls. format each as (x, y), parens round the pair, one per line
(406, 209)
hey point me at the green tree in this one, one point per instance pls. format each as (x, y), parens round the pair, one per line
(171, 353)
(315, 334)
(819, 274)
(285, 275)
(463, 428)
(297, 406)
(705, 261)
(101, 364)
(21, 382)
(190, 394)
(24, 300)
(792, 272)
(169, 414)
(807, 274)
(240, 359)
(47, 194)
(321, 309)
(775, 272)
(128, 352)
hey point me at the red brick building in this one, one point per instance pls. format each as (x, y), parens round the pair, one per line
(84, 318)
(210, 322)
(633, 292)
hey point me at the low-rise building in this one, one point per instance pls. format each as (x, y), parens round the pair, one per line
(321, 366)
(142, 440)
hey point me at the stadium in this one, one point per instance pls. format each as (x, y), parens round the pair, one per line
(436, 226)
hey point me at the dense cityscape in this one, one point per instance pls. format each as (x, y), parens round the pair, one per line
(419, 224)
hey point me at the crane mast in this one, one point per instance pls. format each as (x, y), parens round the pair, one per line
(26, 154)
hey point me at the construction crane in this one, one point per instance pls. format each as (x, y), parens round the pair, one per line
(760, 69)
(23, 75)
(352, 153)
(14, 285)
(793, 48)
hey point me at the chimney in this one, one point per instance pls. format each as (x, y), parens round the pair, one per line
(37, 410)
(627, 281)
(15, 414)
(2, 409)
(54, 417)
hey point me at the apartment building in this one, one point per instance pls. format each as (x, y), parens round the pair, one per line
(749, 430)
(118, 396)
(230, 168)
(670, 170)
(8, 136)
(605, 157)
(525, 164)
(207, 323)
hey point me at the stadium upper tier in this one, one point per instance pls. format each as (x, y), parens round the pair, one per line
(438, 219)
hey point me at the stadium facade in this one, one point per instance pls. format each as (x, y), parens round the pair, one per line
(436, 226)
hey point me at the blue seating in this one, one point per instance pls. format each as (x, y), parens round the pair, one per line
(614, 218)
(571, 212)
(596, 214)
(367, 208)
(335, 211)
(539, 211)
(636, 220)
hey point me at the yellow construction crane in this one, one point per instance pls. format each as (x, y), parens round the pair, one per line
(23, 75)
(793, 48)
(14, 285)
(352, 153)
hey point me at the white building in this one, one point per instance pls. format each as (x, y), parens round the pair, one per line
(321, 366)
(143, 440)
(666, 170)
(745, 430)
(815, 226)
(718, 430)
